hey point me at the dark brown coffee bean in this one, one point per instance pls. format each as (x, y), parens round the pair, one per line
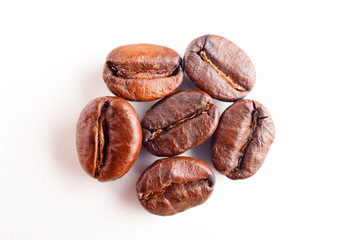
(219, 67)
(108, 138)
(142, 72)
(243, 139)
(179, 122)
(175, 184)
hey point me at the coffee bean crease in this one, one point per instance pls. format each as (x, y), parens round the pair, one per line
(103, 139)
(170, 187)
(118, 71)
(253, 128)
(155, 133)
(226, 77)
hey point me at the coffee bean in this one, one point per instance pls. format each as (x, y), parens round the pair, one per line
(175, 184)
(108, 138)
(179, 122)
(242, 139)
(142, 72)
(219, 67)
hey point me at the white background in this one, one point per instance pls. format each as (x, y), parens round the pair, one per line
(306, 55)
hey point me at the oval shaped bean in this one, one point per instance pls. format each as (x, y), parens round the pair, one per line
(175, 184)
(242, 139)
(179, 122)
(108, 138)
(219, 67)
(142, 72)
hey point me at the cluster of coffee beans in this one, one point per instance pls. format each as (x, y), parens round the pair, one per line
(109, 132)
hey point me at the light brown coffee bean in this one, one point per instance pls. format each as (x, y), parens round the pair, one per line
(142, 72)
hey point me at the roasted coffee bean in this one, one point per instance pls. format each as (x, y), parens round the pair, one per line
(179, 122)
(143, 72)
(108, 138)
(242, 139)
(219, 67)
(175, 184)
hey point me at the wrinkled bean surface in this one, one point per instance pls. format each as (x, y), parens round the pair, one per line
(243, 139)
(175, 184)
